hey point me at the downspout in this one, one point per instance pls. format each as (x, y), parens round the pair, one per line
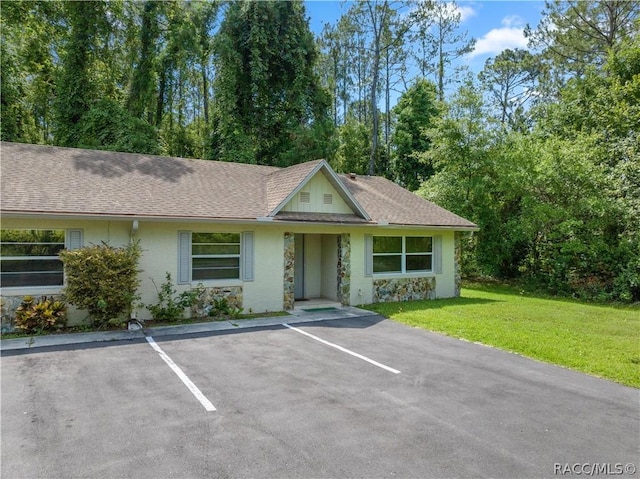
(134, 230)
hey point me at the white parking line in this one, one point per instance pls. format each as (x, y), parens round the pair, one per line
(183, 377)
(344, 350)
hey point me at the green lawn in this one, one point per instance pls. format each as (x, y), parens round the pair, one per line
(599, 340)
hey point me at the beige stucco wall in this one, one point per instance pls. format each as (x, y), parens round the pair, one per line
(159, 241)
(317, 187)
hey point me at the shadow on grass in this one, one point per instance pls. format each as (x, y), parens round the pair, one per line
(515, 291)
(420, 305)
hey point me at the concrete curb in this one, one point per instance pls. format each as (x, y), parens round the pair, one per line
(33, 342)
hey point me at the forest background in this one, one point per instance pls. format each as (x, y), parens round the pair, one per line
(540, 148)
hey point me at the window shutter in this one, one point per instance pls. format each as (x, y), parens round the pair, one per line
(437, 254)
(184, 257)
(368, 255)
(74, 239)
(247, 256)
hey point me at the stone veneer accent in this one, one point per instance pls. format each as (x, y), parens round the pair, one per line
(344, 268)
(9, 304)
(232, 293)
(289, 272)
(456, 263)
(403, 289)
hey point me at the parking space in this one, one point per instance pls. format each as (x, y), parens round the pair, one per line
(306, 402)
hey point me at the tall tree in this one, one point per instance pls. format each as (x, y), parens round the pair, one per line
(416, 112)
(143, 81)
(440, 41)
(378, 20)
(76, 88)
(510, 79)
(271, 108)
(32, 33)
(574, 34)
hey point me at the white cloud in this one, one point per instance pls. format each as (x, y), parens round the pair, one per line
(513, 21)
(499, 39)
(466, 12)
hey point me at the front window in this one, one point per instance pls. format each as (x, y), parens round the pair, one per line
(402, 254)
(215, 256)
(30, 257)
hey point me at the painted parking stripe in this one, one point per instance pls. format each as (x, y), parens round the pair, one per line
(344, 350)
(183, 377)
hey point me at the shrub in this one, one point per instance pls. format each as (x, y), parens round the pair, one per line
(171, 305)
(44, 315)
(220, 307)
(103, 280)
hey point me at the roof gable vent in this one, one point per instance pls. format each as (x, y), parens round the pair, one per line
(328, 199)
(305, 197)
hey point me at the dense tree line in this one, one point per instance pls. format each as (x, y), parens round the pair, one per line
(540, 149)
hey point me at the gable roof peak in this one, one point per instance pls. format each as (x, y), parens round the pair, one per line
(284, 184)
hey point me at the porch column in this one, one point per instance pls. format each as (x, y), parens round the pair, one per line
(456, 265)
(344, 269)
(289, 272)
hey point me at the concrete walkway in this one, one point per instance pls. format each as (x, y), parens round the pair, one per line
(296, 316)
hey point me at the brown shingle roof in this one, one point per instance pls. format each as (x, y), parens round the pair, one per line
(388, 202)
(70, 181)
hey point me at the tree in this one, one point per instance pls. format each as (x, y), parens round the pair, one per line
(76, 88)
(437, 24)
(353, 150)
(269, 96)
(335, 65)
(143, 80)
(510, 79)
(574, 34)
(31, 31)
(415, 113)
(378, 21)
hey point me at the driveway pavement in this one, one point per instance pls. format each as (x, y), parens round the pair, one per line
(351, 397)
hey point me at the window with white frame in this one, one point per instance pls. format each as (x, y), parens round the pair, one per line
(402, 254)
(215, 256)
(30, 257)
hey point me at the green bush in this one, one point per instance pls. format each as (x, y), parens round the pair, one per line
(103, 280)
(171, 305)
(44, 315)
(220, 307)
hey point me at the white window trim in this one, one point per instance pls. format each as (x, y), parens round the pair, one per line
(403, 260)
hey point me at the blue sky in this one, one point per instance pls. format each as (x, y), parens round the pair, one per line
(496, 25)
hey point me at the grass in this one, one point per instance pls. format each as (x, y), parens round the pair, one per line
(600, 340)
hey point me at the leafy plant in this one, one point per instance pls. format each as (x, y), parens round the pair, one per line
(103, 280)
(171, 305)
(221, 307)
(44, 315)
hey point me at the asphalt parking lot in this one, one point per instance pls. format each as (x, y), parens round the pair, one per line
(363, 397)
